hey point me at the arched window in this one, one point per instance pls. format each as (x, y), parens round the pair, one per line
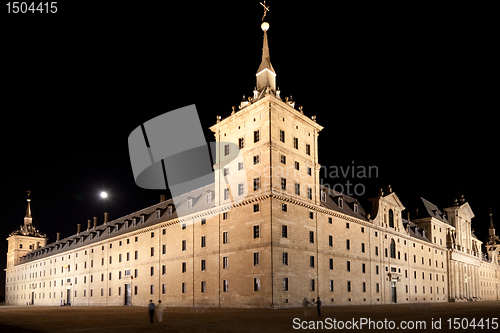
(391, 218)
(393, 249)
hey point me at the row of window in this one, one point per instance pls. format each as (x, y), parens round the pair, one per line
(256, 138)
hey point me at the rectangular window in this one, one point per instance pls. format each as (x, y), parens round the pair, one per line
(136, 254)
(226, 194)
(184, 268)
(256, 208)
(311, 236)
(184, 245)
(285, 284)
(256, 159)
(241, 166)
(308, 149)
(225, 215)
(256, 284)
(331, 263)
(311, 261)
(151, 289)
(256, 259)
(347, 244)
(313, 285)
(282, 136)
(363, 247)
(283, 159)
(330, 240)
(297, 189)
(203, 241)
(285, 258)
(284, 231)
(203, 287)
(226, 150)
(224, 262)
(256, 136)
(296, 143)
(152, 271)
(241, 189)
(363, 268)
(225, 237)
(203, 265)
(348, 266)
(284, 207)
(331, 285)
(152, 252)
(256, 184)
(256, 231)
(348, 286)
(225, 286)
(241, 143)
(163, 269)
(283, 184)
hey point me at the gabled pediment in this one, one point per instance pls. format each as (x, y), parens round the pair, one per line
(393, 199)
(466, 211)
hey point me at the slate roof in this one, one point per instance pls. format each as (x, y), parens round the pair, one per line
(432, 211)
(415, 231)
(199, 203)
(332, 202)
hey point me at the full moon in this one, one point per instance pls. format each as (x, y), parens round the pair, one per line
(104, 195)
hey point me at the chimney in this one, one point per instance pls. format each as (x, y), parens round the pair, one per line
(58, 236)
(106, 217)
(95, 222)
(89, 224)
(408, 216)
(163, 198)
(78, 228)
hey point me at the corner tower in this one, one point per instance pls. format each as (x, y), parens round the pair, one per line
(270, 179)
(24, 240)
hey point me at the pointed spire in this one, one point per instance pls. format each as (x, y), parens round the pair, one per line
(28, 209)
(266, 76)
(492, 227)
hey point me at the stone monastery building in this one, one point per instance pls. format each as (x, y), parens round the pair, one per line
(275, 238)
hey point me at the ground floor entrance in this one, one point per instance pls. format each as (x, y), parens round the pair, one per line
(128, 294)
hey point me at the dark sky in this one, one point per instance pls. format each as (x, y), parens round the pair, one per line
(410, 90)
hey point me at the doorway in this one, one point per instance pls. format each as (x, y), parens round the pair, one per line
(393, 292)
(32, 297)
(128, 294)
(68, 295)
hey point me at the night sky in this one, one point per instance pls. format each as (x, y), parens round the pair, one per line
(410, 90)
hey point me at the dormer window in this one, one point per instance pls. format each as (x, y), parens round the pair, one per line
(190, 203)
(158, 214)
(323, 196)
(209, 197)
(355, 208)
(134, 222)
(142, 219)
(116, 228)
(169, 210)
(341, 202)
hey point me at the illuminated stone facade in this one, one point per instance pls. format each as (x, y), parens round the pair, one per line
(271, 238)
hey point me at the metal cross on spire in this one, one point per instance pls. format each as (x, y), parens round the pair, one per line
(266, 9)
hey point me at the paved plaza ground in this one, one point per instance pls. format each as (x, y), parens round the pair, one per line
(135, 319)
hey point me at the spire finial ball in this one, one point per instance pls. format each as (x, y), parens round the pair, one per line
(264, 26)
